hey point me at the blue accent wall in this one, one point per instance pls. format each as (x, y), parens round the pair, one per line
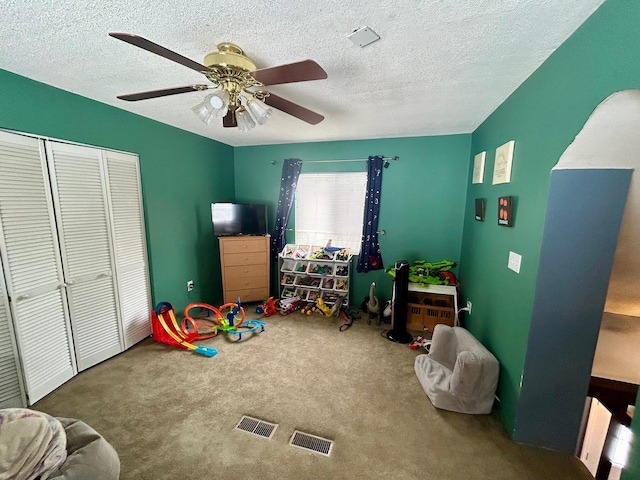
(584, 213)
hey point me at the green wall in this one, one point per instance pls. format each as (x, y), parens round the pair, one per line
(422, 201)
(543, 116)
(181, 175)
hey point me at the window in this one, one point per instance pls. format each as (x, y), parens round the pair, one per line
(330, 206)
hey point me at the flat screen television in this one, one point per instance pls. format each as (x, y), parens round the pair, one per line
(239, 218)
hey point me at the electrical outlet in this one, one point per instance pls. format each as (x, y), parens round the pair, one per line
(469, 304)
(189, 285)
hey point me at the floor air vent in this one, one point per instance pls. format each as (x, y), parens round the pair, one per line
(311, 443)
(257, 427)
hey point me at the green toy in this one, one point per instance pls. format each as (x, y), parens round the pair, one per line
(426, 272)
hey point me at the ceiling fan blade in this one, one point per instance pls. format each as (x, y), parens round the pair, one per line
(289, 73)
(293, 109)
(134, 97)
(158, 50)
(229, 119)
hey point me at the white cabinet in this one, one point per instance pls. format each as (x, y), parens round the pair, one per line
(307, 272)
(66, 260)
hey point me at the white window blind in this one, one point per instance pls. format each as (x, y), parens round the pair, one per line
(330, 206)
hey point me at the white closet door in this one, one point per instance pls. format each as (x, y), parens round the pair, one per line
(11, 390)
(125, 199)
(33, 272)
(83, 227)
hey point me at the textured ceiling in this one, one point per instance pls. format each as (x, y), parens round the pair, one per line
(441, 66)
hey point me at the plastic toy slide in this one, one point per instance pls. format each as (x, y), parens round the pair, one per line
(175, 336)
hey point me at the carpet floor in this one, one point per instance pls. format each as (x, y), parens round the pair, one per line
(171, 414)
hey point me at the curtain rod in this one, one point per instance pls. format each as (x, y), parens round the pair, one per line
(386, 159)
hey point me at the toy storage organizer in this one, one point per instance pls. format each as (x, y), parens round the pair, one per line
(430, 305)
(308, 273)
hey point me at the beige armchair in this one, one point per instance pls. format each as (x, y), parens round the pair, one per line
(459, 373)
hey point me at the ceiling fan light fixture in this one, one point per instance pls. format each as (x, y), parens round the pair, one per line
(202, 111)
(219, 103)
(245, 122)
(259, 110)
(233, 75)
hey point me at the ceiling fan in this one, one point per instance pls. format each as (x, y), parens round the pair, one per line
(236, 84)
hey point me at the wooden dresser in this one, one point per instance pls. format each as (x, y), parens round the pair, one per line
(244, 262)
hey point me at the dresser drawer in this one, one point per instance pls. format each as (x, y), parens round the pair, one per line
(244, 271)
(244, 244)
(244, 282)
(244, 262)
(246, 295)
(235, 259)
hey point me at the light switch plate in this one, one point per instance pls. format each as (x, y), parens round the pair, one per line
(514, 261)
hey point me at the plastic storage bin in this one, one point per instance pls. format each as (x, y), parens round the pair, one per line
(320, 269)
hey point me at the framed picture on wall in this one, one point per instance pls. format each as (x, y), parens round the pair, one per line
(502, 165)
(480, 209)
(505, 211)
(478, 167)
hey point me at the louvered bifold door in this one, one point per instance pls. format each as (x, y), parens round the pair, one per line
(80, 201)
(125, 199)
(11, 391)
(33, 273)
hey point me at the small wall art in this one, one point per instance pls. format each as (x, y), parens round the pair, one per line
(478, 167)
(505, 211)
(502, 165)
(480, 209)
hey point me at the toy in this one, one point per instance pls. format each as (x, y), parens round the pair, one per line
(335, 310)
(348, 314)
(233, 323)
(176, 337)
(166, 329)
(426, 273)
(330, 297)
(420, 342)
(193, 326)
(386, 314)
(289, 305)
(269, 307)
(248, 326)
(342, 271)
(288, 292)
(324, 309)
(373, 306)
(342, 255)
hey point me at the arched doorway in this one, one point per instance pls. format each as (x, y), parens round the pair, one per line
(594, 200)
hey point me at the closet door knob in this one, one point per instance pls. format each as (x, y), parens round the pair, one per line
(22, 297)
